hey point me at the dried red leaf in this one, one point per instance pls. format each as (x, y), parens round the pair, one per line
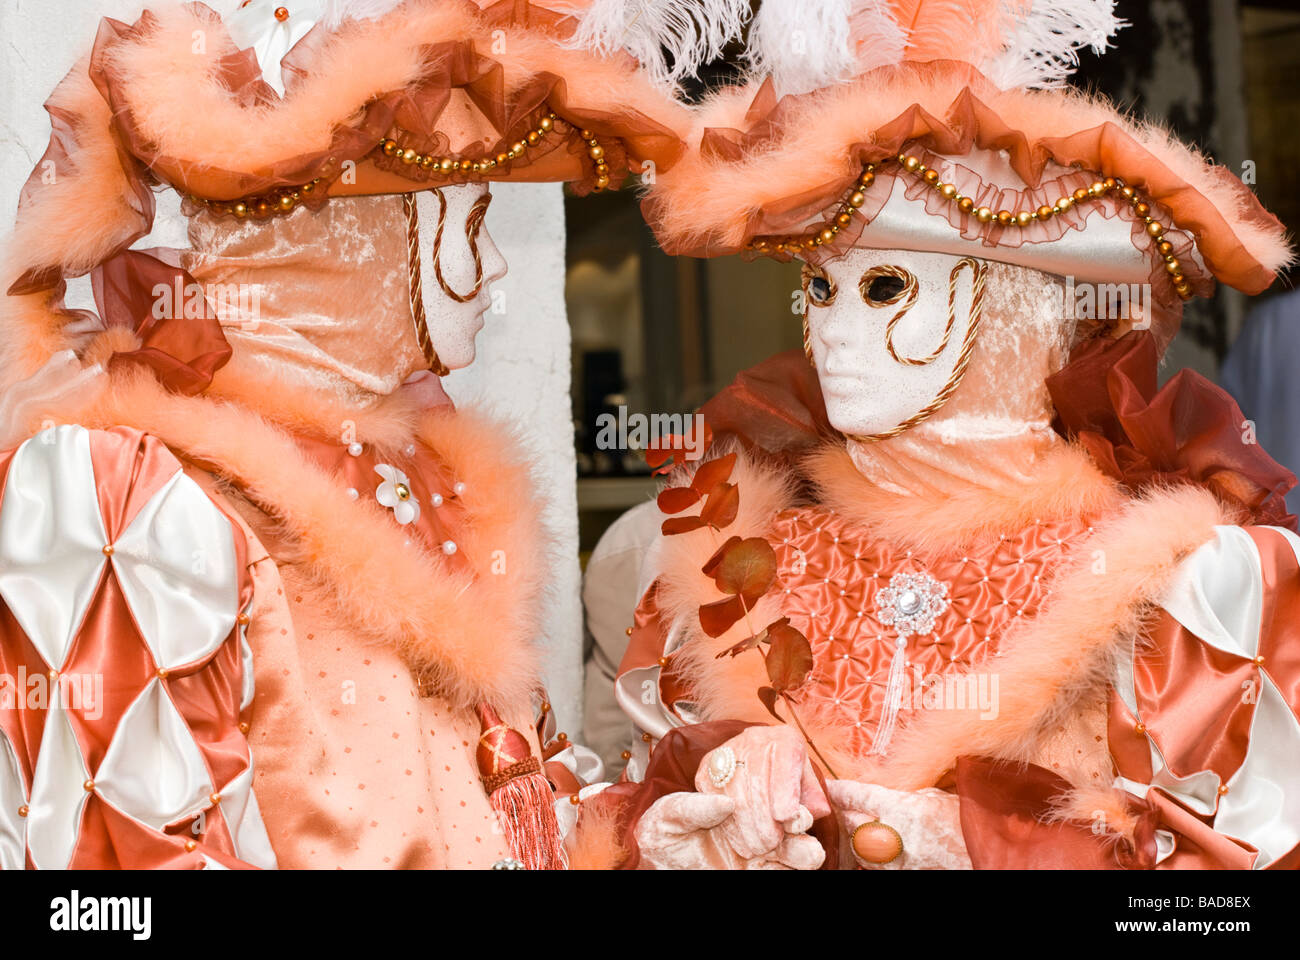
(789, 657)
(677, 525)
(712, 473)
(672, 450)
(677, 499)
(749, 643)
(769, 696)
(721, 506)
(718, 617)
(747, 568)
(711, 567)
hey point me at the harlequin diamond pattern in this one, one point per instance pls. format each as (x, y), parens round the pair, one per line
(831, 571)
(122, 666)
(1208, 711)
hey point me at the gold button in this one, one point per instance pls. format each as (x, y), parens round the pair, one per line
(22, 811)
(189, 846)
(88, 786)
(214, 798)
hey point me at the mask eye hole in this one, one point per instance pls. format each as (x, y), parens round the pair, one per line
(881, 286)
(818, 288)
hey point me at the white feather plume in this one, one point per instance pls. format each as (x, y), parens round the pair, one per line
(1042, 48)
(336, 11)
(807, 44)
(672, 39)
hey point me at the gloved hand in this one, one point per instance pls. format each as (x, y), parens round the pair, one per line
(929, 822)
(756, 798)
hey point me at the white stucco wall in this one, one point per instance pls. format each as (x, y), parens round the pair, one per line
(522, 370)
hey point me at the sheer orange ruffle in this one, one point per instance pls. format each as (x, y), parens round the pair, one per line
(1187, 431)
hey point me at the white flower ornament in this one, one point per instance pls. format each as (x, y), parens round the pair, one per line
(395, 494)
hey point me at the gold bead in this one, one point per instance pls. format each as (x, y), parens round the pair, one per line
(547, 123)
(466, 166)
(1098, 187)
(409, 155)
(562, 737)
(88, 786)
(532, 137)
(1005, 217)
(867, 179)
(931, 176)
(1142, 209)
(826, 236)
(308, 188)
(1024, 218)
(1109, 183)
(911, 164)
(596, 153)
(1044, 212)
(585, 134)
(389, 147)
(262, 210)
(502, 157)
(240, 210)
(948, 190)
(843, 219)
(1173, 266)
(519, 147)
(966, 204)
(1155, 229)
(628, 631)
(857, 199)
(1179, 280)
(425, 161)
(1080, 195)
(446, 165)
(1127, 192)
(983, 214)
(1165, 247)
(602, 182)
(287, 202)
(1065, 203)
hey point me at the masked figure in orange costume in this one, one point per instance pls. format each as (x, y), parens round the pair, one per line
(959, 586)
(250, 555)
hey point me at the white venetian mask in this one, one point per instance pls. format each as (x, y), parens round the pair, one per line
(890, 333)
(460, 263)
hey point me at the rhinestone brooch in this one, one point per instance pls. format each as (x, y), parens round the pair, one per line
(911, 603)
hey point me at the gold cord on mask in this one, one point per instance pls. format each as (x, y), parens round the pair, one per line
(473, 223)
(415, 284)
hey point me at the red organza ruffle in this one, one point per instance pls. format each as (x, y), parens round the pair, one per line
(1188, 431)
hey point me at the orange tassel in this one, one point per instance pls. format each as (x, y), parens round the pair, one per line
(519, 793)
